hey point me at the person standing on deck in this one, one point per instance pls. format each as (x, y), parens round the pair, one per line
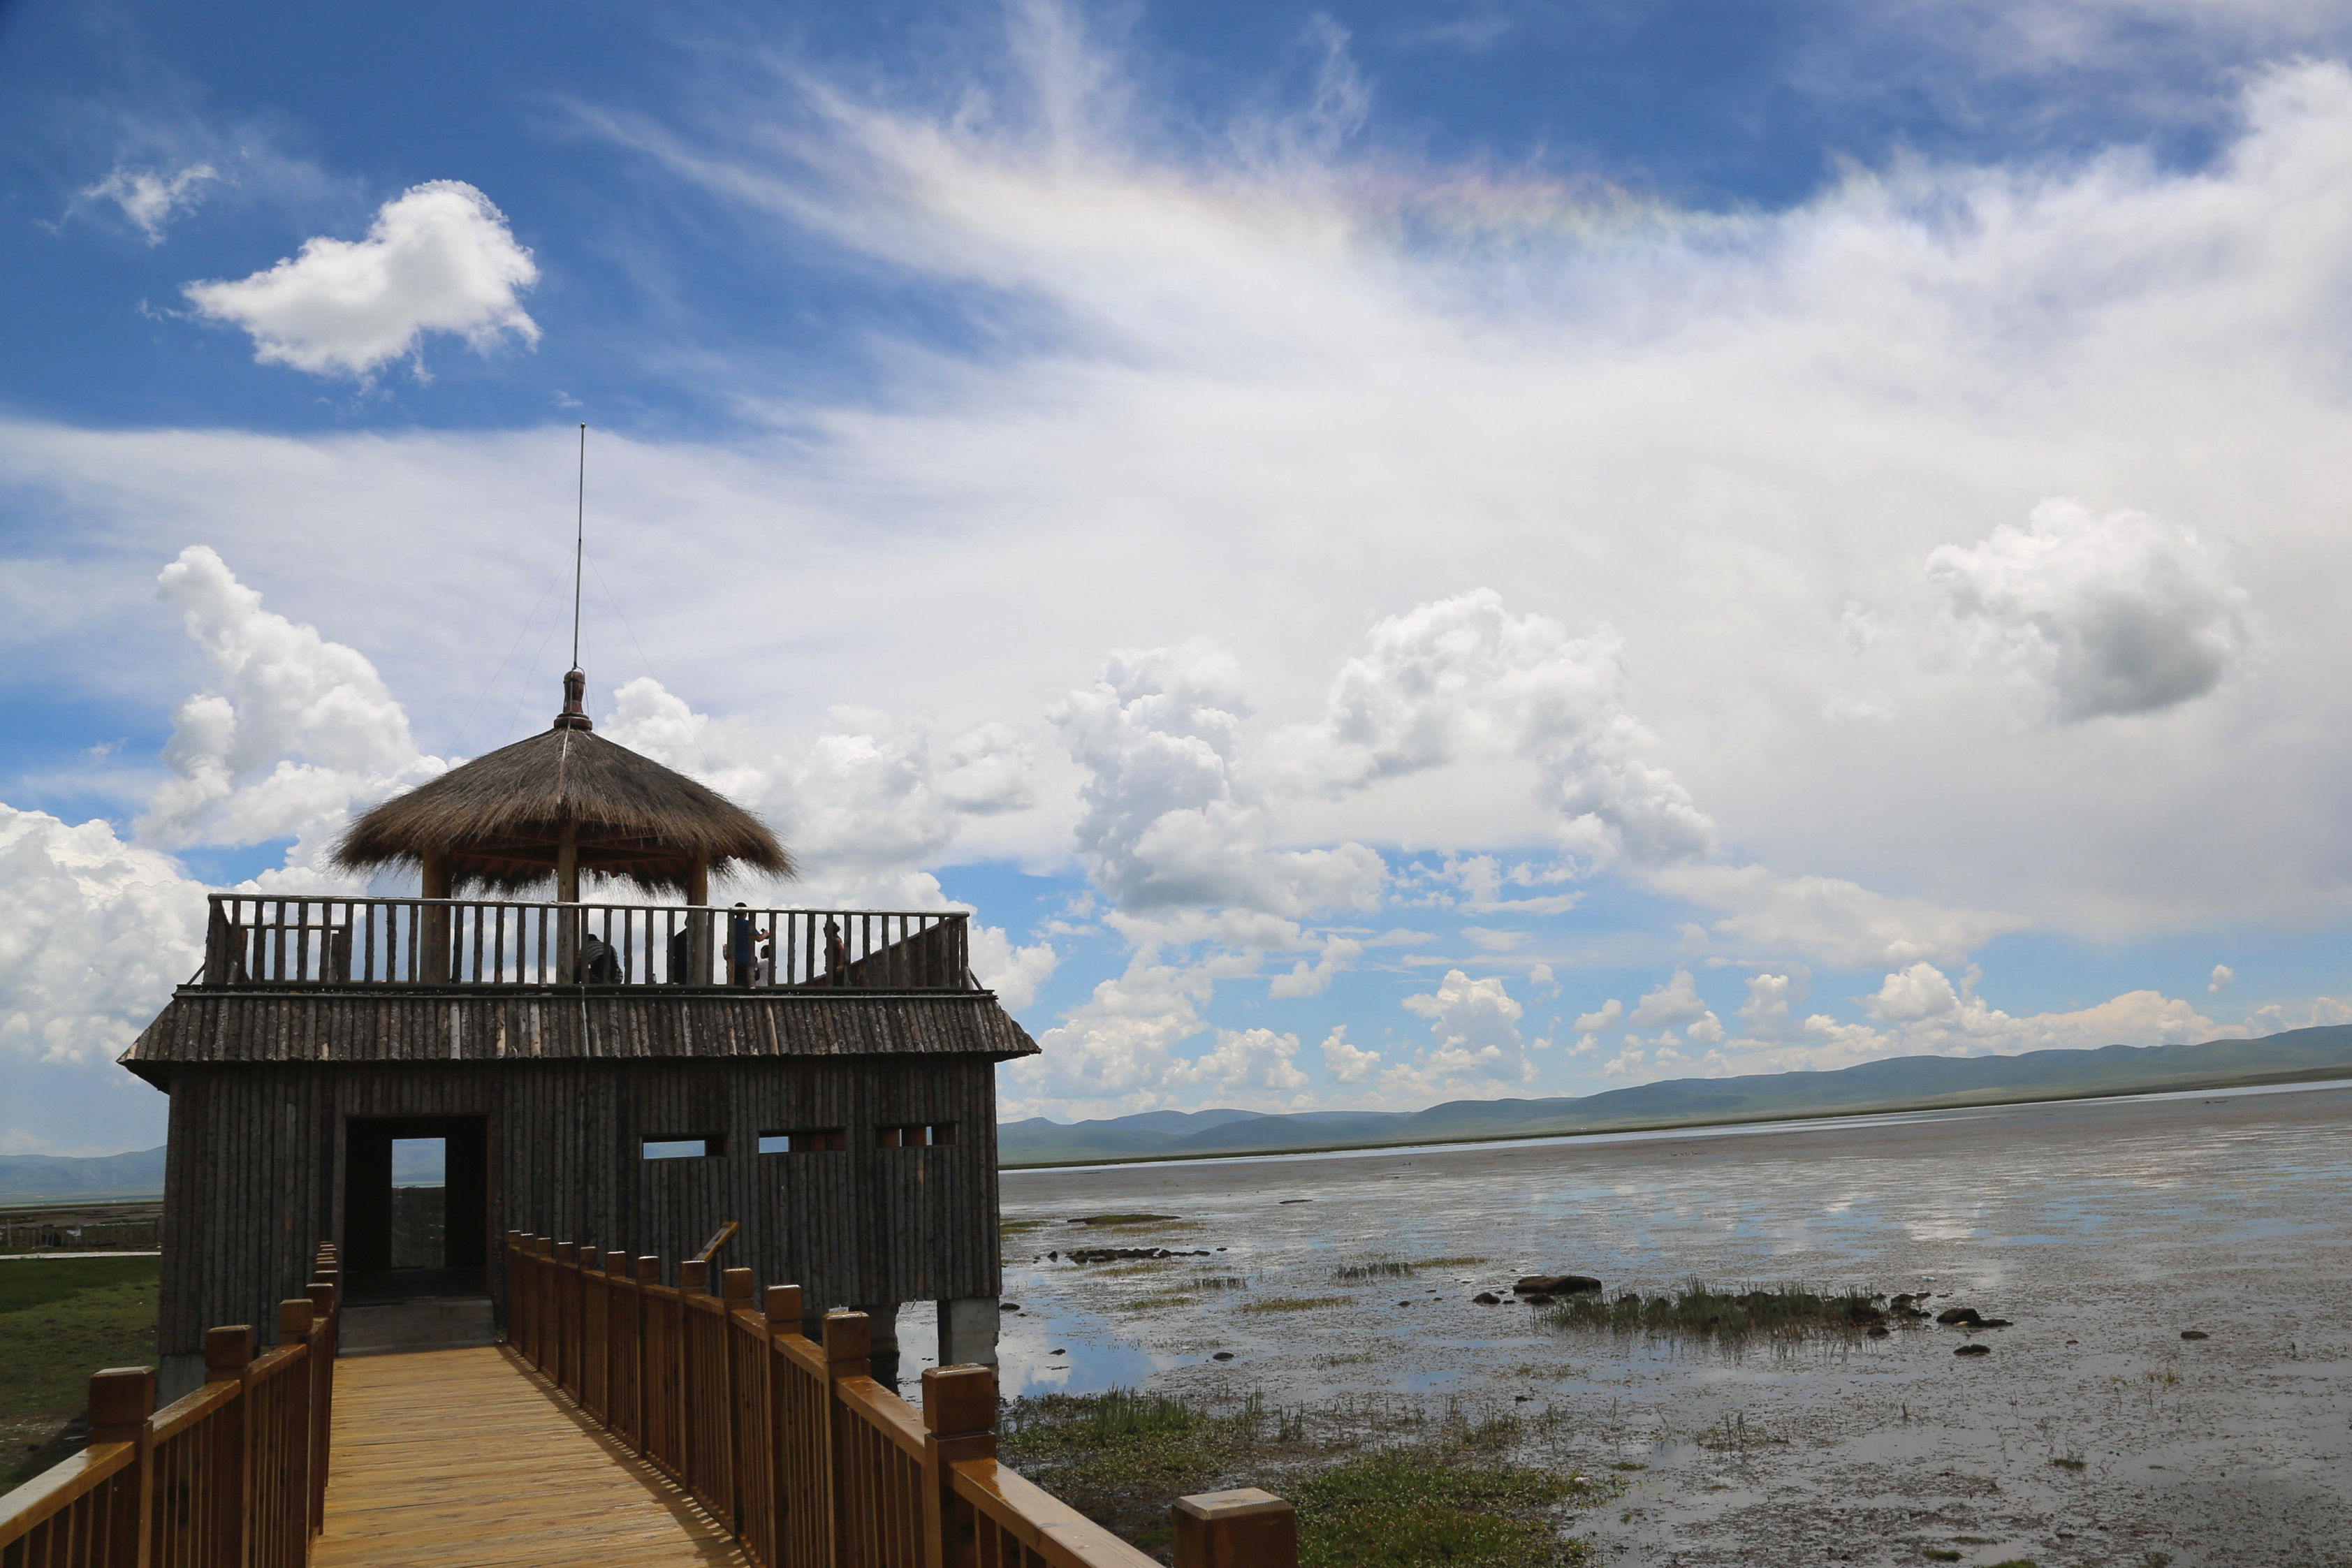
(836, 954)
(742, 949)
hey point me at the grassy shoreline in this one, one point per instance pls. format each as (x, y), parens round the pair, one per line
(2342, 1072)
(1377, 1483)
(62, 1319)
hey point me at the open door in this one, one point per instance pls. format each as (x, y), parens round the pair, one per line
(417, 1206)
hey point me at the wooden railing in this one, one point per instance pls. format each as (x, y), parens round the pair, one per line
(234, 1476)
(788, 1443)
(277, 940)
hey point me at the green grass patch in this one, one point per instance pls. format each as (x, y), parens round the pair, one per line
(61, 1320)
(1447, 1500)
(1699, 1310)
(1152, 1303)
(1292, 1303)
(1400, 1511)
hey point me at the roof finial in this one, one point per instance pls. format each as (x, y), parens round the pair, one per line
(575, 709)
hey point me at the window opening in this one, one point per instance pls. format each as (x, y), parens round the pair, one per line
(915, 1134)
(809, 1141)
(683, 1148)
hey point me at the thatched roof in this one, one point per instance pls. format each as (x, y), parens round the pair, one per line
(498, 818)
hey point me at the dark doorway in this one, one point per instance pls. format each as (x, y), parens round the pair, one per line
(417, 1206)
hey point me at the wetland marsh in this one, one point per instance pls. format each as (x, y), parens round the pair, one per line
(1337, 1296)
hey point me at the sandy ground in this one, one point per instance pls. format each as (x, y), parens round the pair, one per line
(2093, 1433)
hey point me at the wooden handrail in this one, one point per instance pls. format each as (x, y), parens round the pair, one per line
(279, 940)
(231, 1476)
(790, 1442)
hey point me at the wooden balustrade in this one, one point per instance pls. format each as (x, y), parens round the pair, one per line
(233, 1476)
(796, 1448)
(277, 940)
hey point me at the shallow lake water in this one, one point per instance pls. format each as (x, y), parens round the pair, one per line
(2091, 1434)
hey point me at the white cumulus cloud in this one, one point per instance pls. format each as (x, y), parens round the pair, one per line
(2109, 613)
(98, 933)
(1476, 1026)
(1345, 1061)
(438, 259)
(297, 731)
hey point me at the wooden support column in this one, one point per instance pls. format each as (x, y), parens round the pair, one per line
(432, 931)
(567, 891)
(698, 893)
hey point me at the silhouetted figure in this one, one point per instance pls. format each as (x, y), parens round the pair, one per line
(836, 955)
(599, 964)
(681, 956)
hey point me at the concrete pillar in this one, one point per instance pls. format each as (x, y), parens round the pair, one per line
(967, 1332)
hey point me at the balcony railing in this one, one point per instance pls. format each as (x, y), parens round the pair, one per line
(279, 941)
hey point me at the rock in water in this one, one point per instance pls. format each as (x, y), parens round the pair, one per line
(1555, 1284)
(1974, 1350)
(1488, 1298)
(1958, 1315)
(2194, 1333)
(1879, 1331)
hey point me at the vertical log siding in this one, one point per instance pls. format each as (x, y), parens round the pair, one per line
(256, 1170)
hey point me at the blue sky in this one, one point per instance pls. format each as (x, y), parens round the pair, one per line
(1390, 552)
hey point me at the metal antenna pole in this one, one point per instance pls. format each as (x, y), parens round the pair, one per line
(579, 544)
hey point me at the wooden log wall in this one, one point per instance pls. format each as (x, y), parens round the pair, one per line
(257, 1170)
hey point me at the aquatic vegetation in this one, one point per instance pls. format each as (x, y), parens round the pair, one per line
(1151, 1304)
(1117, 1222)
(1697, 1309)
(1398, 1509)
(1292, 1303)
(1398, 1268)
(1217, 1282)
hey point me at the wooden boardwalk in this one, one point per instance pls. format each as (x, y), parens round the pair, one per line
(452, 1458)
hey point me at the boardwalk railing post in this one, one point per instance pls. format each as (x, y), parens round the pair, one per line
(619, 1307)
(693, 1279)
(644, 1376)
(120, 1400)
(228, 1353)
(292, 1443)
(848, 1350)
(510, 1313)
(1244, 1527)
(959, 1423)
(746, 1466)
(324, 1334)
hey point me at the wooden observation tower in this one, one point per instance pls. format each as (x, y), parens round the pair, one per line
(636, 1074)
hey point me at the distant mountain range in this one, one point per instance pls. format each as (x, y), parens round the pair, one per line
(1899, 1083)
(1906, 1083)
(47, 1179)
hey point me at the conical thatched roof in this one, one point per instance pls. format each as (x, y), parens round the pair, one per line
(498, 818)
